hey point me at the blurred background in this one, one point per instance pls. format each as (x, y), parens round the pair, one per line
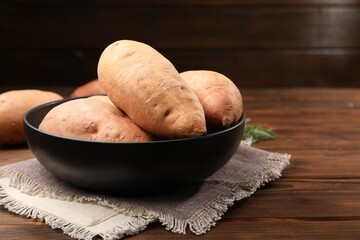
(256, 43)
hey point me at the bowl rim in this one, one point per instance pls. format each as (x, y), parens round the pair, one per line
(213, 134)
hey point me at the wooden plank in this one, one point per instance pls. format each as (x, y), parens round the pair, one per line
(275, 68)
(321, 163)
(229, 27)
(46, 69)
(319, 127)
(308, 128)
(11, 155)
(265, 229)
(309, 199)
(192, 3)
(241, 229)
(31, 232)
(315, 105)
(309, 97)
(282, 68)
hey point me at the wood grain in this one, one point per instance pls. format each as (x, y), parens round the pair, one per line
(247, 68)
(190, 2)
(198, 27)
(266, 229)
(318, 196)
(256, 43)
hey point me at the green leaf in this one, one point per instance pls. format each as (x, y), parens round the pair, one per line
(257, 132)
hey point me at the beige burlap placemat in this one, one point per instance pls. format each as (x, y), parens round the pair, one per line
(26, 188)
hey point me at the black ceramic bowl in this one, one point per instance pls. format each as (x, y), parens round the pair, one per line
(130, 168)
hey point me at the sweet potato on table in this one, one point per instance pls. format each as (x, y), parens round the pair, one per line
(90, 88)
(92, 119)
(219, 96)
(148, 88)
(13, 105)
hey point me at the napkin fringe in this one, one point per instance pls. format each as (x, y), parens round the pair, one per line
(206, 218)
(202, 222)
(73, 230)
(22, 183)
(31, 187)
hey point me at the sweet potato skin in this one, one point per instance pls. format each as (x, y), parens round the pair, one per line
(221, 99)
(102, 98)
(94, 120)
(148, 88)
(90, 88)
(13, 105)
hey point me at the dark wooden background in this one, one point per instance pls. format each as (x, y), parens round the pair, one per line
(257, 43)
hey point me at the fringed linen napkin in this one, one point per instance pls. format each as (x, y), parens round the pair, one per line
(28, 189)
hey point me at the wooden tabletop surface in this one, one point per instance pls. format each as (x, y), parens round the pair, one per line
(318, 196)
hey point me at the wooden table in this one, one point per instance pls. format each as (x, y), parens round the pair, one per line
(318, 196)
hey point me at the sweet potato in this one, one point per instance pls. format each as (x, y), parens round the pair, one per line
(92, 119)
(221, 99)
(13, 105)
(148, 88)
(90, 88)
(102, 98)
